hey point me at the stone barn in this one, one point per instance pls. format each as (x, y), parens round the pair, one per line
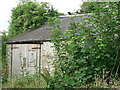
(32, 49)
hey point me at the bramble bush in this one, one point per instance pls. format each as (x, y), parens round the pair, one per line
(87, 49)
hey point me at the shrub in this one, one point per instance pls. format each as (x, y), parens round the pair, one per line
(87, 49)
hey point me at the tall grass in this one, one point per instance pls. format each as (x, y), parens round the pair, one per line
(101, 83)
(29, 81)
(43, 79)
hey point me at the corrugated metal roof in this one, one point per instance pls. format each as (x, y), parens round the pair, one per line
(43, 33)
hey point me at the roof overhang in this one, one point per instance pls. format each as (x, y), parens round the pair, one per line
(27, 42)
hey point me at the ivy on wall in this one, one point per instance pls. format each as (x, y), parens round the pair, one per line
(88, 49)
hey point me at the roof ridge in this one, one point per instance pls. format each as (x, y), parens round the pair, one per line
(65, 16)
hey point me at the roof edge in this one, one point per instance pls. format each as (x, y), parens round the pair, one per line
(64, 16)
(28, 42)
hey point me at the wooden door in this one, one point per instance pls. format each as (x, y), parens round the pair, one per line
(25, 57)
(15, 64)
(33, 58)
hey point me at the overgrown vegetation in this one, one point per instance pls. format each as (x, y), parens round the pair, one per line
(88, 56)
(4, 58)
(28, 15)
(88, 49)
(28, 81)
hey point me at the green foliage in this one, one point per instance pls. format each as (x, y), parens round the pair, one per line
(87, 49)
(28, 15)
(46, 75)
(91, 7)
(29, 81)
(4, 58)
(4, 39)
(88, 7)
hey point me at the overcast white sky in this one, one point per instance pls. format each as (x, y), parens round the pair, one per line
(63, 6)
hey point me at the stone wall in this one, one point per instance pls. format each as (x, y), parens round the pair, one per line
(47, 56)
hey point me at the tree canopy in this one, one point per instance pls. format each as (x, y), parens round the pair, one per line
(91, 7)
(28, 15)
